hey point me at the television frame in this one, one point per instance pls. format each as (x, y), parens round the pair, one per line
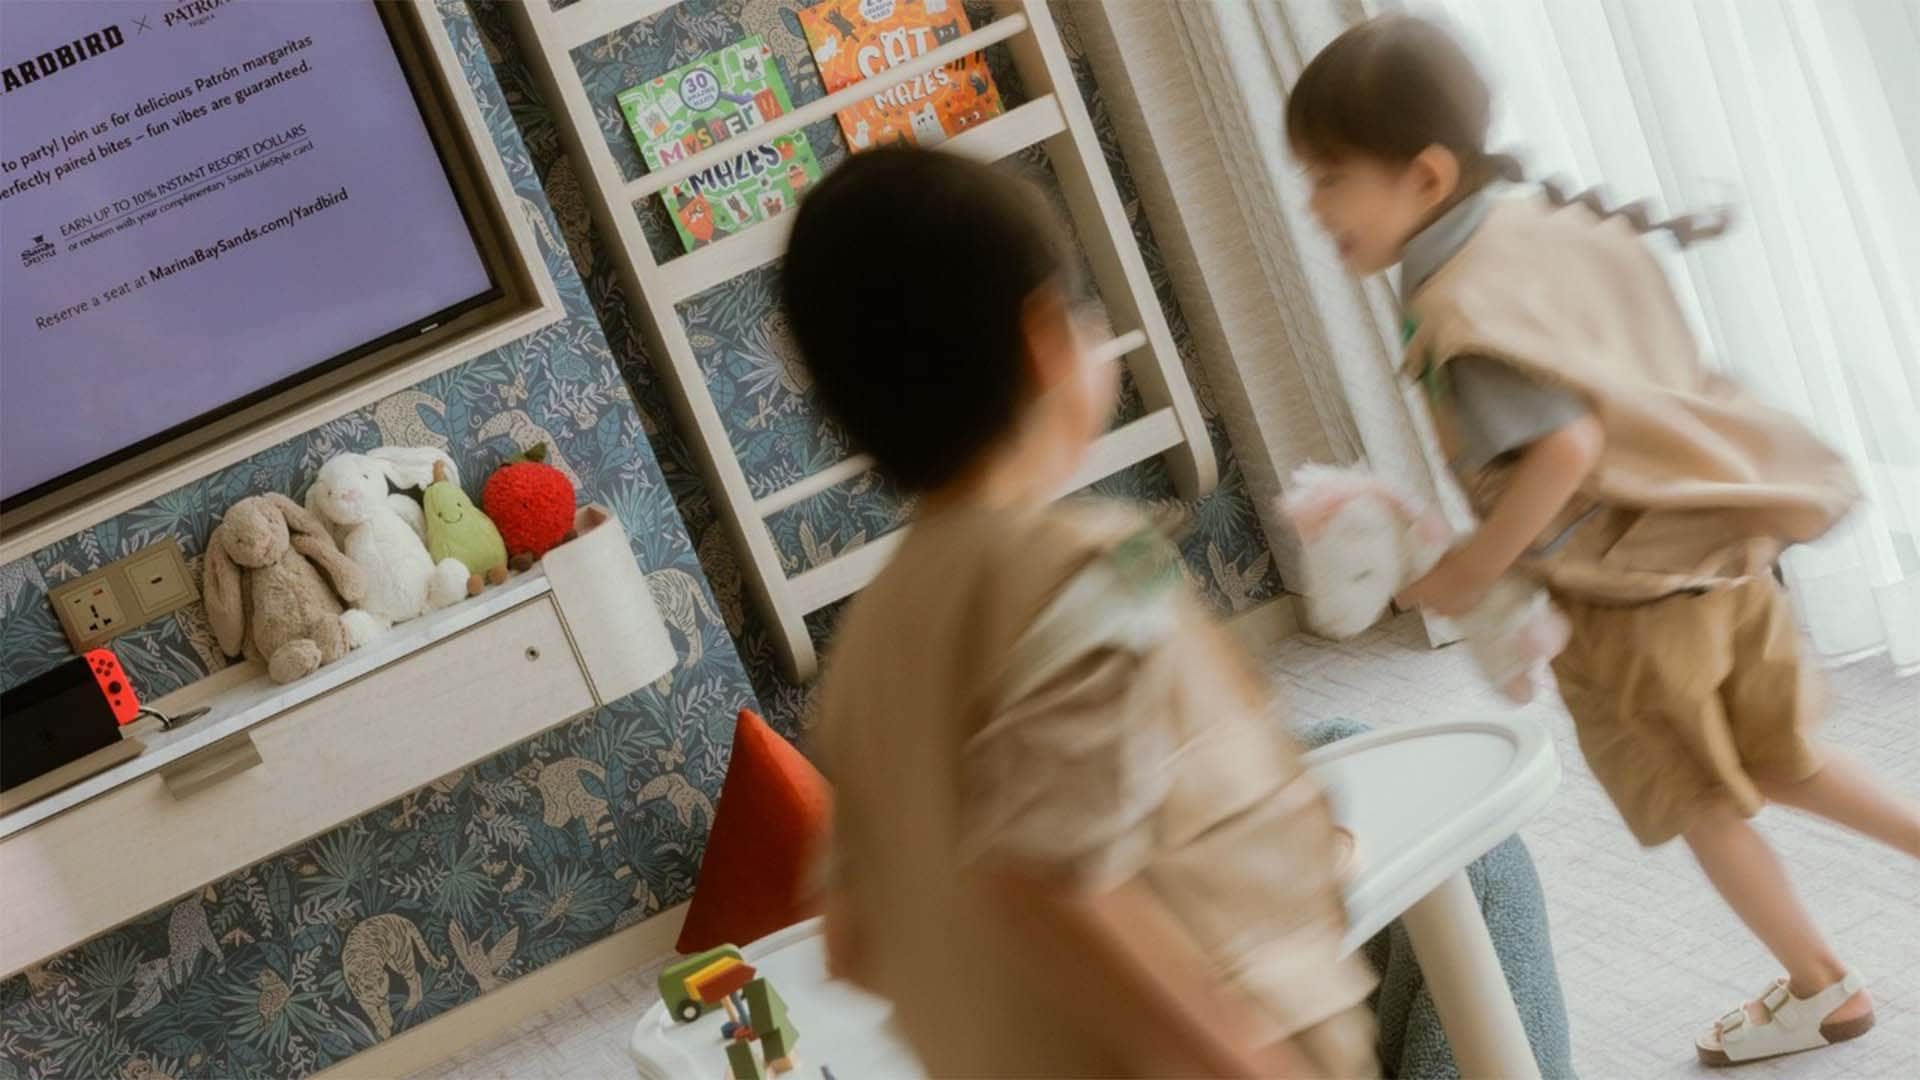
(522, 300)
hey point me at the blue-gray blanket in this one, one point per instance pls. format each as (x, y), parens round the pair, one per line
(1412, 1043)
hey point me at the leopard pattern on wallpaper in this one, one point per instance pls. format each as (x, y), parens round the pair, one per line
(487, 874)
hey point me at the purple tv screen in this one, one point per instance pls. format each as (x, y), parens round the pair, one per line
(200, 204)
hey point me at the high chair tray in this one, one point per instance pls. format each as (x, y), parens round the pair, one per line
(1424, 801)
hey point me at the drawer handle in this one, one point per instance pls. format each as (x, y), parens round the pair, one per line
(228, 757)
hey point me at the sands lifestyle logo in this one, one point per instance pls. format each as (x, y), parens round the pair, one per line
(38, 252)
(20, 74)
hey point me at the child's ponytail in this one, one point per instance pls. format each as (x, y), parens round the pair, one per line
(1393, 86)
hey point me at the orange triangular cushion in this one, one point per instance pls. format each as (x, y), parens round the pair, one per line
(772, 815)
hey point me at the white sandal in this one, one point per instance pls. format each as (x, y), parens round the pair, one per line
(1792, 1025)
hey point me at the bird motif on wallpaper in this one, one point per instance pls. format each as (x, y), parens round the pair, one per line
(515, 393)
(557, 909)
(538, 222)
(815, 553)
(484, 964)
(1236, 582)
(514, 882)
(671, 756)
(763, 415)
(195, 624)
(640, 909)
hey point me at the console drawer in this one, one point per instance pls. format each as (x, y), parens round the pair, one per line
(140, 845)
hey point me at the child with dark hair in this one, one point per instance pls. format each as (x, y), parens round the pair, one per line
(1651, 495)
(1070, 836)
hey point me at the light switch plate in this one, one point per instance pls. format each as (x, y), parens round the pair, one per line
(133, 591)
(160, 579)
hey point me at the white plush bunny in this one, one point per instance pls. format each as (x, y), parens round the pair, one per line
(1364, 542)
(384, 533)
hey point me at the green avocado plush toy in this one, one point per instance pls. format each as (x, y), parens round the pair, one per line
(457, 529)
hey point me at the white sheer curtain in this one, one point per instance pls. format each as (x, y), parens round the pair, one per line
(1806, 115)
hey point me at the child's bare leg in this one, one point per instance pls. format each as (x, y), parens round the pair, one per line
(1845, 793)
(1748, 875)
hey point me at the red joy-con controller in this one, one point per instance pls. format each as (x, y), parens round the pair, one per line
(113, 683)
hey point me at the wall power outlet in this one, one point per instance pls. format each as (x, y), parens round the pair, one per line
(94, 611)
(114, 599)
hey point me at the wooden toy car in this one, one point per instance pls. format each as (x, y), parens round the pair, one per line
(703, 982)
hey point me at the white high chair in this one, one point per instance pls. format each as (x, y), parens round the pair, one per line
(1421, 802)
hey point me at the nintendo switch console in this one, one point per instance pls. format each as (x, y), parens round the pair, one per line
(70, 712)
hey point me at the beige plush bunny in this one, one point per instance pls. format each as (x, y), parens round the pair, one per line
(265, 596)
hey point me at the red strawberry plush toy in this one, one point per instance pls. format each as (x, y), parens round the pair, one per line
(532, 503)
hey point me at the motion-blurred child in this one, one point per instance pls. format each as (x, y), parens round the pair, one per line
(1601, 453)
(1071, 836)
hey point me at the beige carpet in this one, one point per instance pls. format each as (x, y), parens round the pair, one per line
(1647, 953)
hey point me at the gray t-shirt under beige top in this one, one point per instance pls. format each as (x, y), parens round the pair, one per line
(1499, 409)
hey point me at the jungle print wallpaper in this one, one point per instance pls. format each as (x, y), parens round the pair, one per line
(293, 964)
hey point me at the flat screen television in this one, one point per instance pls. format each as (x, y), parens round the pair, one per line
(204, 206)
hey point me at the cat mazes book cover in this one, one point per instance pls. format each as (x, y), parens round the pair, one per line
(718, 98)
(854, 40)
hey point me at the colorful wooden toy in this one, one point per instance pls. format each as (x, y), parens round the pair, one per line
(767, 1024)
(776, 1032)
(695, 986)
(741, 1062)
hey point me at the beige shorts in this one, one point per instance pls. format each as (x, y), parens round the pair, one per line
(1689, 700)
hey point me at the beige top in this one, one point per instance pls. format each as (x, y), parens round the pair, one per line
(1698, 485)
(1043, 692)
